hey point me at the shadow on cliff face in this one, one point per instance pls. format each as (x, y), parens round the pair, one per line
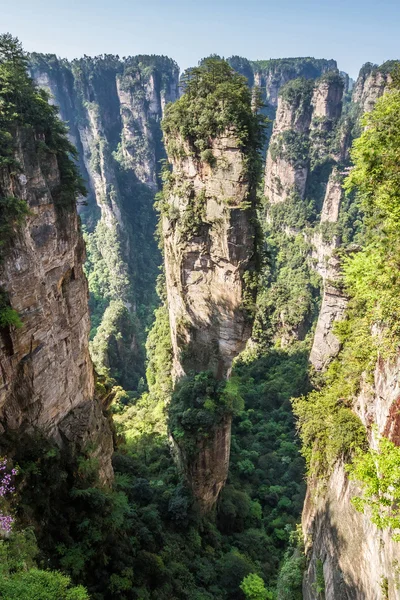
(327, 554)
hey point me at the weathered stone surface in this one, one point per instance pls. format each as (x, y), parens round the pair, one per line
(46, 374)
(327, 100)
(206, 473)
(325, 344)
(277, 73)
(369, 87)
(356, 555)
(205, 266)
(113, 110)
(320, 115)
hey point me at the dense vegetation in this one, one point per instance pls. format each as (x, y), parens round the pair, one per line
(108, 103)
(144, 539)
(216, 99)
(26, 116)
(24, 111)
(329, 429)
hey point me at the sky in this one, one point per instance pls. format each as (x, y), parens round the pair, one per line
(351, 31)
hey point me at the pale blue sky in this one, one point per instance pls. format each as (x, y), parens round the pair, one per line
(351, 31)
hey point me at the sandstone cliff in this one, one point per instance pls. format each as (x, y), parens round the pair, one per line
(209, 245)
(208, 223)
(271, 75)
(356, 559)
(113, 110)
(206, 259)
(303, 193)
(46, 374)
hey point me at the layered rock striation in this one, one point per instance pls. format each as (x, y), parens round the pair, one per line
(355, 559)
(209, 234)
(209, 246)
(113, 109)
(46, 373)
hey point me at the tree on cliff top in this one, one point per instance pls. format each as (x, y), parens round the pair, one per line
(216, 98)
(24, 104)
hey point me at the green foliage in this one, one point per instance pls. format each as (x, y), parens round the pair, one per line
(8, 316)
(298, 93)
(21, 579)
(44, 585)
(291, 146)
(254, 588)
(288, 300)
(24, 105)
(378, 473)
(291, 574)
(376, 174)
(12, 215)
(215, 99)
(319, 584)
(198, 405)
(328, 427)
(293, 68)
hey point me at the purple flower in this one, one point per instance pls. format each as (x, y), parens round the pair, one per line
(6, 489)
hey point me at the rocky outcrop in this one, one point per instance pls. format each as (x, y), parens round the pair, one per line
(46, 374)
(271, 75)
(306, 115)
(206, 263)
(325, 343)
(113, 110)
(209, 249)
(284, 176)
(358, 560)
(371, 83)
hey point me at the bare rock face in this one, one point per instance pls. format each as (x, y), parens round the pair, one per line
(46, 374)
(209, 243)
(209, 249)
(283, 176)
(359, 561)
(304, 119)
(207, 471)
(370, 85)
(327, 100)
(357, 557)
(272, 76)
(325, 344)
(113, 110)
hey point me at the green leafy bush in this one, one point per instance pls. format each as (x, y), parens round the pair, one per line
(254, 588)
(378, 473)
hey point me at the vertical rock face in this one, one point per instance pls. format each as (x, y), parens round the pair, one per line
(357, 557)
(272, 75)
(209, 233)
(46, 374)
(284, 174)
(371, 84)
(209, 245)
(307, 113)
(302, 175)
(205, 264)
(359, 561)
(325, 343)
(113, 110)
